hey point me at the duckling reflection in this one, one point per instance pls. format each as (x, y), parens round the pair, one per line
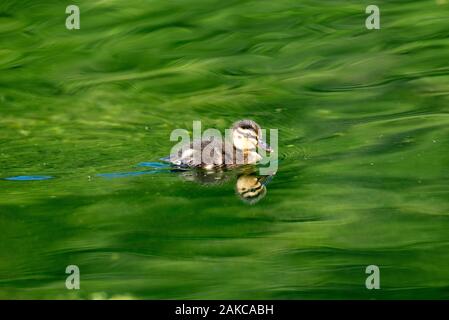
(252, 188)
(207, 177)
(249, 187)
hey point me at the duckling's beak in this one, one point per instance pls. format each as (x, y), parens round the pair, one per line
(263, 145)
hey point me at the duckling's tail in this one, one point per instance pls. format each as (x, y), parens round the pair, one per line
(165, 159)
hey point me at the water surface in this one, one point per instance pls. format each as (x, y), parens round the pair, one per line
(363, 146)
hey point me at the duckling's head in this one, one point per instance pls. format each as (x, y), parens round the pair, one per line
(247, 136)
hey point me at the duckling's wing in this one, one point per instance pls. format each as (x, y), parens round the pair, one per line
(182, 157)
(187, 154)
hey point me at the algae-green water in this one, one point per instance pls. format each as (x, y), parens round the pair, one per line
(362, 175)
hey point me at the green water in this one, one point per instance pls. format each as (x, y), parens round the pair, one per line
(363, 149)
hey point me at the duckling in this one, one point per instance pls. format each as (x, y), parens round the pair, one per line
(209, 153)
